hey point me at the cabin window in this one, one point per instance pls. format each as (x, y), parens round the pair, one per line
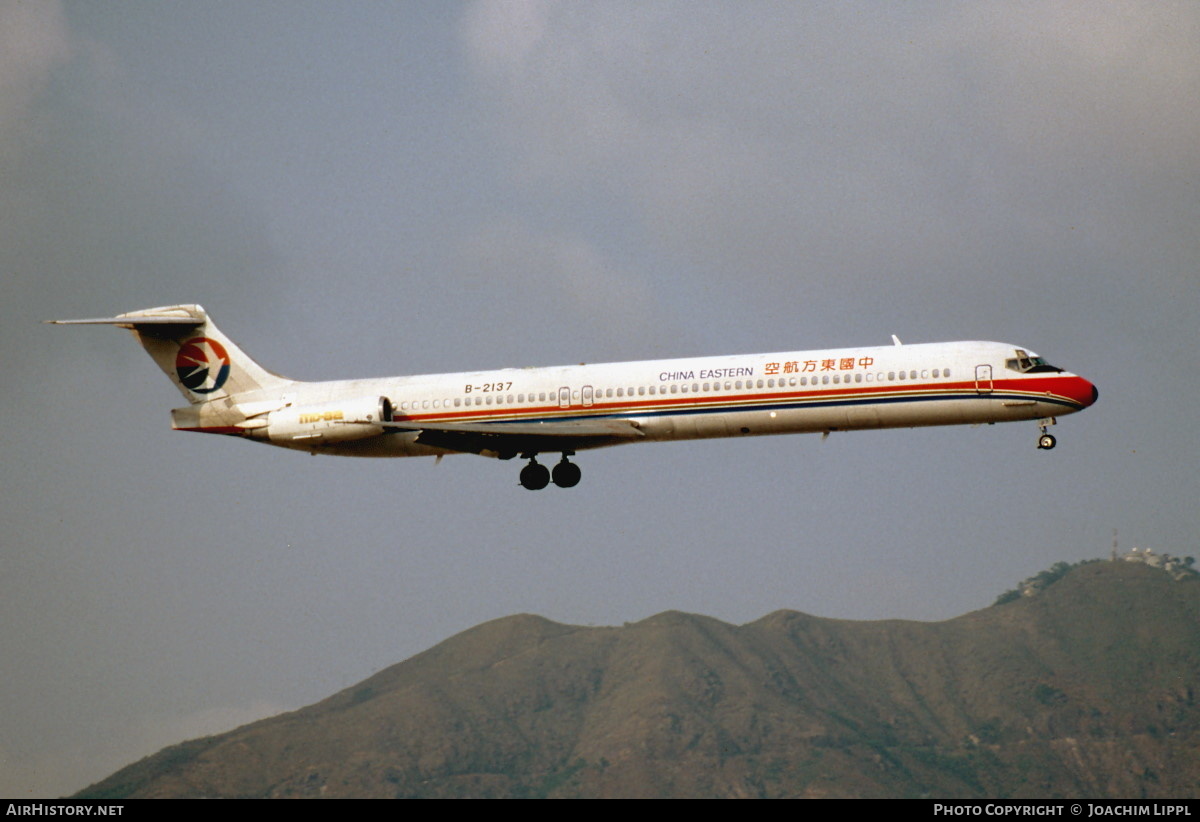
(825, 380)
(738, 385)
(684, 388)
(858, 377)
(642, 390)
(674, 389)
(945, 372)
(837, 378)
(792, 381)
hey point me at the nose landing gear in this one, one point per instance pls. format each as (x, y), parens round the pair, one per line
(1046, 441)
(536, 476)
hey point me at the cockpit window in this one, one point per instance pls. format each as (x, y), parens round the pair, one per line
(1029, 365)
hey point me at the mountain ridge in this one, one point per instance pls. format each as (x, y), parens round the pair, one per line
(1085, 689)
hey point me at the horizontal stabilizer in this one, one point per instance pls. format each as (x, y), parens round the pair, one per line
(134, 321)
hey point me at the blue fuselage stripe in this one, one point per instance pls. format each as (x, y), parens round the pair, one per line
(577, 412)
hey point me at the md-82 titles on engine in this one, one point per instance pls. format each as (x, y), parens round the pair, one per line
(526, 412)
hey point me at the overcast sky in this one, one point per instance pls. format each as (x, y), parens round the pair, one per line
(366, 189)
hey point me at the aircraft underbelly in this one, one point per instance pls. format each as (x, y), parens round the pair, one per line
(386, 445)
(691, 426)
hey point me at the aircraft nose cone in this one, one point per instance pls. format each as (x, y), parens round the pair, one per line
(1084, 392)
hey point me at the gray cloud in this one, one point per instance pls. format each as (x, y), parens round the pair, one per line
(33, 42)
(756, 141)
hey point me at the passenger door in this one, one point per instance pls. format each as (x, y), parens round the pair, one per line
(983, 379)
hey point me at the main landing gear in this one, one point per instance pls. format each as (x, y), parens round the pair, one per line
(1046, 441)
(536, 476)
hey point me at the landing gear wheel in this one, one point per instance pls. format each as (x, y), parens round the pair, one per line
(1046, 441)
(566, 474)
(535, 476)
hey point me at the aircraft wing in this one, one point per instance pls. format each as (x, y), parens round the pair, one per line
(518, 438)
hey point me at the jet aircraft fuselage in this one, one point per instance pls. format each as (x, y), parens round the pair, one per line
(565, 409)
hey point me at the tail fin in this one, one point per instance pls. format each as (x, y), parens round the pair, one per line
(203, 363)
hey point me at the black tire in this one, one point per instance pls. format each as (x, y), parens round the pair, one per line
(567, 474)
(535, 476)
(1046, 441)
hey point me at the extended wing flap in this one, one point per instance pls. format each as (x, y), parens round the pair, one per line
(513, 438)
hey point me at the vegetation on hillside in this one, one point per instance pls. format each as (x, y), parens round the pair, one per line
(1088, 689)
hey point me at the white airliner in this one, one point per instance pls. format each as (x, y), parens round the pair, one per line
(565, 409)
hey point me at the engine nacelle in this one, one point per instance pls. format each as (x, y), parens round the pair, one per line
(338, 421)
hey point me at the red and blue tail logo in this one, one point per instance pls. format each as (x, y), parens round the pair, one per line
(202, 365)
